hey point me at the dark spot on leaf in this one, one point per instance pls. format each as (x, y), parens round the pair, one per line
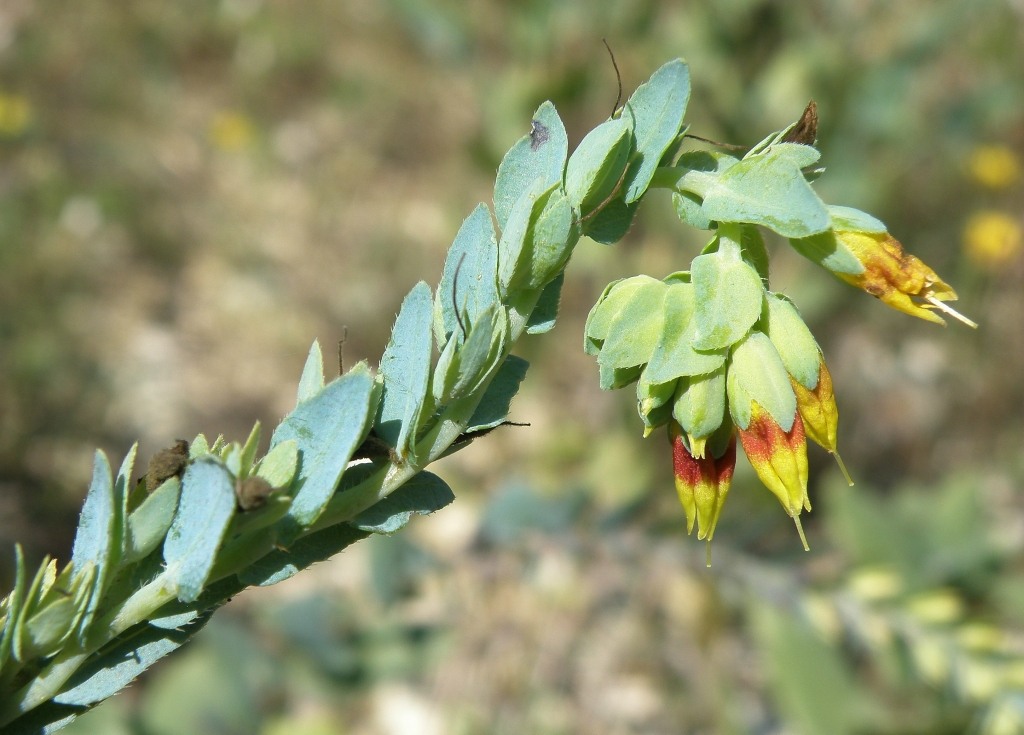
(539, 135)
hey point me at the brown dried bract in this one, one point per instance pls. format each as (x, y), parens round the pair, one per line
(805, 131)
(252, 493)
(166, 463)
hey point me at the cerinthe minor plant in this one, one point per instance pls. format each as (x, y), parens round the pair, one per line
(715, 354)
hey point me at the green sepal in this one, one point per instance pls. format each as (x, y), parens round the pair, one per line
(769, 189)
(650, 397)
(658, 106)
(729, 296)
(612, 378)
(699, 403)
(826, 250)
(596, 167)
(541, 153)
(755, 373)
(793, 341)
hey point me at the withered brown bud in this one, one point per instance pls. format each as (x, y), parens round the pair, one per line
(166, 463)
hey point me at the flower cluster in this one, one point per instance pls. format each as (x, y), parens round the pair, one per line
(717, 356)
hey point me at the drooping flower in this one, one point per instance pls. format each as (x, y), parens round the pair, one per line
(779, 458)
(702, 483)
(897, 278)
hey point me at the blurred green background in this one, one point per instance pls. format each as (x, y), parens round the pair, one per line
(191, 192)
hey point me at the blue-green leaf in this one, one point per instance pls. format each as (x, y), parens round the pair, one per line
(729, 296)
(422, 495)
(327, 429)
(542, 318)
(768, 189)
(539, 154)
(612, 223)
(95, 539)
(312, 380)
(469, 281)
(658, 107)
(148, 524)
(109, 672)
(205, 507)
(405, 371)
(279, 565)
(514, 257)
(596, 166)
(494, 406)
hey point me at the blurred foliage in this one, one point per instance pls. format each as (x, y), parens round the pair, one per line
(190, 192)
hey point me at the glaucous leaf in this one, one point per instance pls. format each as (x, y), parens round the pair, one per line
(326, 429)
(597, 165)
(312, 380)
(205, 507)
(95, 539)
(405, 372)
(469, 280)
(658, 106)
(421, 495)
(541, 153)
(768, 189)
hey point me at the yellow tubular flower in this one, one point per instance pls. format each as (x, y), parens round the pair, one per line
(896, 278)
(780, 460)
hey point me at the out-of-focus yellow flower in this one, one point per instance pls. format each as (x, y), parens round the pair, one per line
(231, 131)
(994, 166)
(993, 238)
(15, 114)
